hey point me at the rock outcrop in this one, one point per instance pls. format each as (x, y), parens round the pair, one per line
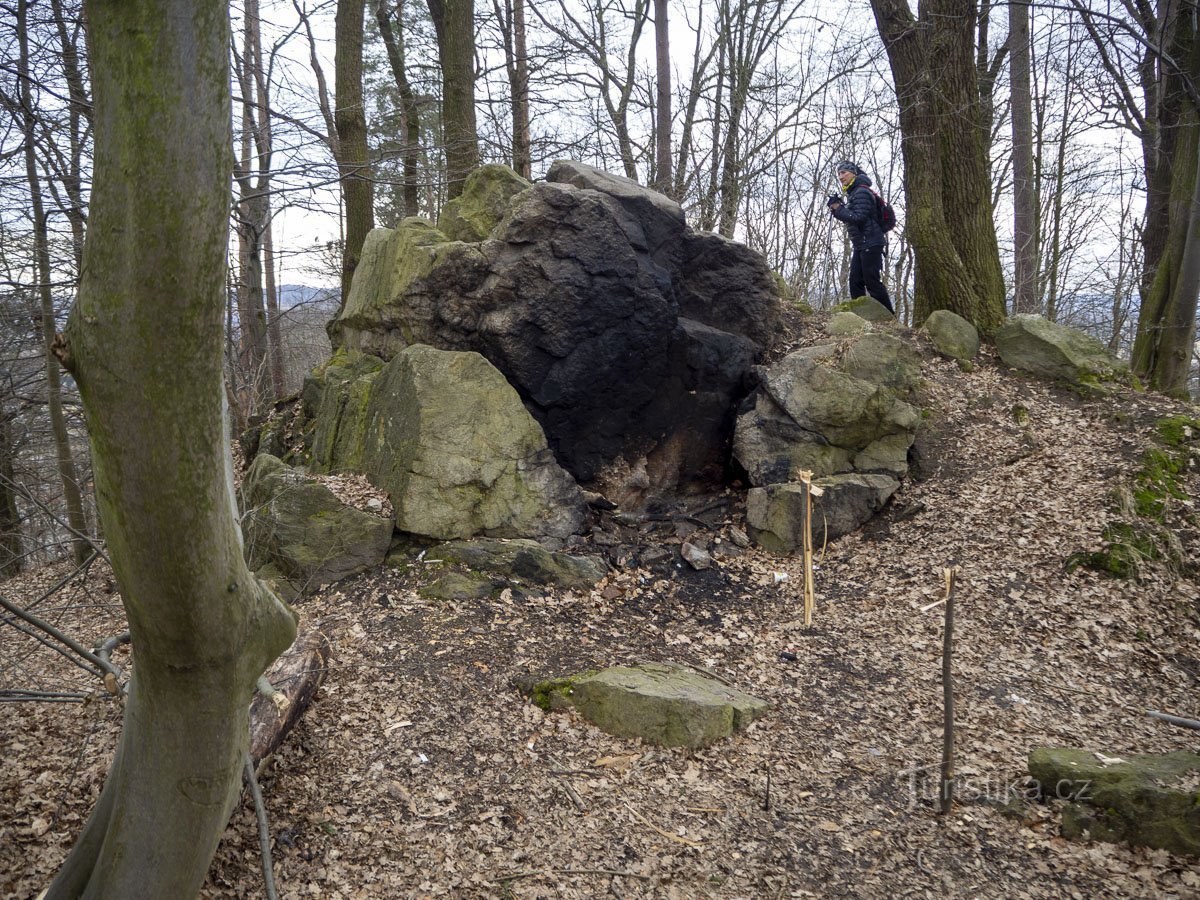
(448, 439)
(628, 337)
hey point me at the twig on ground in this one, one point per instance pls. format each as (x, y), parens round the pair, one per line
(264, 831)
(1174, 720)
(674, 837)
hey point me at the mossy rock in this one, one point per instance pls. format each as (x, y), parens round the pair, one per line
(1043, 348)
(1137, 799)
(301, 529)
(448, 439)
(665, 704)
(485, 199)
(461, 586)
(866, 308)
(775, 514)
(391, 292)
(525, 561)
(843, 324)
(952, 335)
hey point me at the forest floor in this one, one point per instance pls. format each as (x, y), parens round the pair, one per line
(420, 771)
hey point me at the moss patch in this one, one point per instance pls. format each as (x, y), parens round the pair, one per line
(1150, 507)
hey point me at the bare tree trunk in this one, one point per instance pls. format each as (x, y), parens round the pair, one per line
(10, 515)
(358, 195)
(1024, 187)
(144, 343)
(393, 42)
(511, 16)
(274, 337)
(662, 55)
(949, 220)
(58, 424)
(454, 22)
(1167, 324)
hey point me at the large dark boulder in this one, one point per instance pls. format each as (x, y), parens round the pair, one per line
(628, 337)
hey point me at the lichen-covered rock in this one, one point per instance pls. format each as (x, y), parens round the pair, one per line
(458, 454)
(842, 324)
(664, 703)
(832, 409)
(952, 335)
(301, 531)
(866, 308)
(526, 561)
(1036, 345)
(1149, 800)
(775, 514)
(461, 586)
(485, 199)
(404, 287)
(335, 401)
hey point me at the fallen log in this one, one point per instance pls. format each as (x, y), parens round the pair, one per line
(290, 685)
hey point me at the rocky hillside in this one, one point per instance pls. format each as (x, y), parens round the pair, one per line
(420, 770)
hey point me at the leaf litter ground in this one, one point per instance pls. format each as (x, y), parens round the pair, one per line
(419, 770)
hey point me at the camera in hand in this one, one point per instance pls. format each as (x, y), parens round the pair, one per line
(834, 199)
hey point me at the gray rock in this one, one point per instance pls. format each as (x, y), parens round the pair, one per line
(1035, 345)
(458, 454)
(696, 557)
(832, 409)
(526, 561)
(664, 703)
(297, 531)
(775, 514)
(952, 335)
(842, 324)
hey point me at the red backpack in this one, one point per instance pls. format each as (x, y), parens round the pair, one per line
(884, 214)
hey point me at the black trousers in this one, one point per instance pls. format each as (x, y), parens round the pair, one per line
(865, 269)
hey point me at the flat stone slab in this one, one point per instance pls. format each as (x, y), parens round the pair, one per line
(1148, 800)
(664, 703)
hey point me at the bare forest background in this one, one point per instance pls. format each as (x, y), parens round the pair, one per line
(350, 115)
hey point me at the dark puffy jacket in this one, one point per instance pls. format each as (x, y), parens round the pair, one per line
(859, 214)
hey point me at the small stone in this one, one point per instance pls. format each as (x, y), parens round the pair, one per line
(696, 557)
(739, 537)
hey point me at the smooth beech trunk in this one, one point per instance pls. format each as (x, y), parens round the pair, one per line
(144, 343)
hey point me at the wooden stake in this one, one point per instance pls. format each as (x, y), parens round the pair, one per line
(947, 788)
(809, 594)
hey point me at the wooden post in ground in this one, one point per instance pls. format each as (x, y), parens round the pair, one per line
(946, 792)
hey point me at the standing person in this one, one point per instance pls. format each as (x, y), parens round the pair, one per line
(867, 238)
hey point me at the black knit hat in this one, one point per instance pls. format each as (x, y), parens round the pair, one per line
(846, 166)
